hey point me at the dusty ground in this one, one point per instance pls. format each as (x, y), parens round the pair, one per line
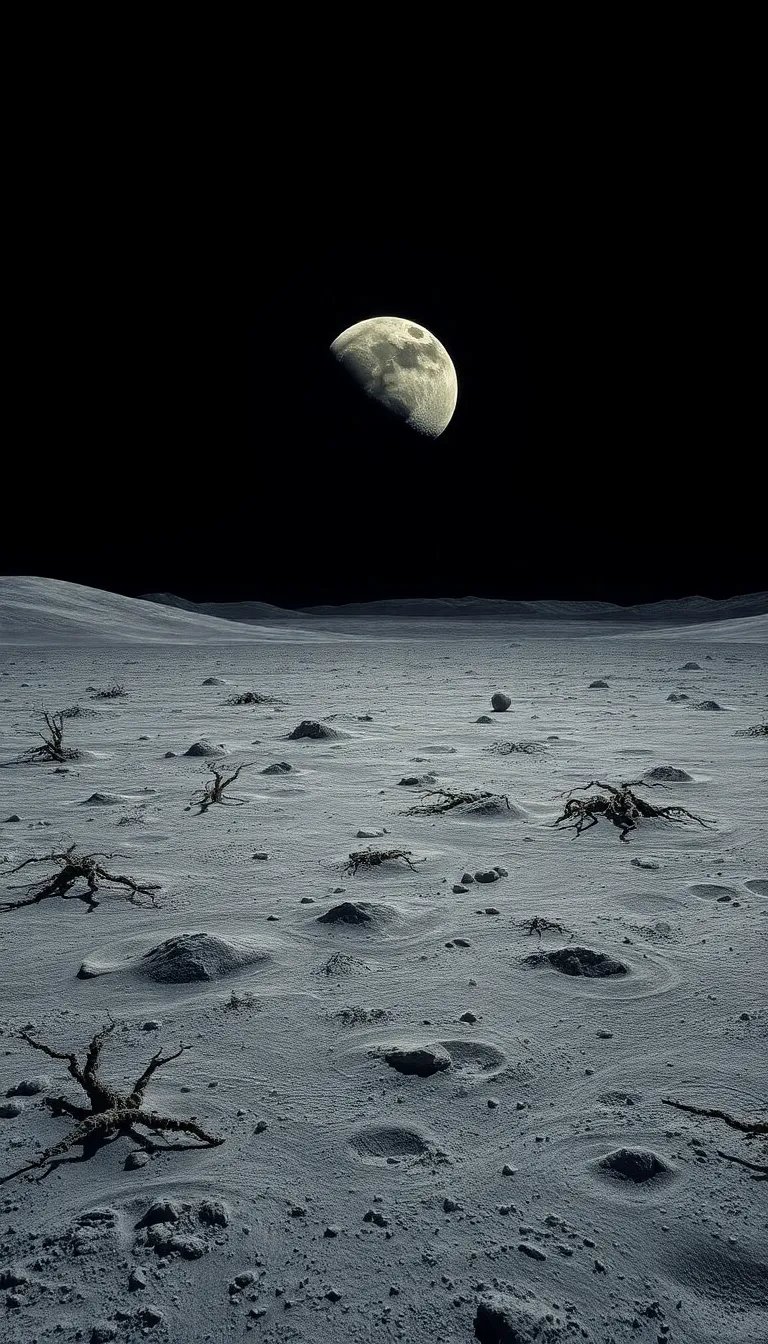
(340, 1175)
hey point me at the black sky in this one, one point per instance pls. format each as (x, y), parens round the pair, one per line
(185, 428)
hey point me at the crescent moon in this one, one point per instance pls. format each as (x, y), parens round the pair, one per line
(402, 366)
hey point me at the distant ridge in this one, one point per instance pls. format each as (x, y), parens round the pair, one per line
(227, 611)
(696, 610)
(38, 611)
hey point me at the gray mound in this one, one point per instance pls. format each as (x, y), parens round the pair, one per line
(690, 667)
(675, 697)
(419, 781)
(204, 748)
(315, 731)
(214, 681)
(250, 698)
(103, 799)
(422, 1060)
(706, 704)
(598, 686)
(579, 961)
(474, 1056)
(484, 718)
(197, 956)
(279, 768)
(500, 702)
(669, 772)
(377, 1143)
(495, 806)
(341, 964)
(349, 912)
(633, 1164)
(502, 1319)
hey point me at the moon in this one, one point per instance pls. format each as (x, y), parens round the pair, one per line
(402, 366)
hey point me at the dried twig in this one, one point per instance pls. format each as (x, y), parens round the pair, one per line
(213, 792)
(111, 1112)
(74, 868)
(622, 807)
(447, 799)
(372, 858)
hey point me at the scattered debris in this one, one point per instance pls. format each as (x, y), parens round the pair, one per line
(53, 748)
(447, 799)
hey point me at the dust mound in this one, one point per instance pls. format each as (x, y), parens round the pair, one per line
(598, 686)
(279, 768)
(494, 807)
(423, 1060)
(669, 772)
(197, 956)
(377, 1143)
(315, 731)
(502, 1319)
(341, 964)
(349, 912)
(214, 681)
(204, 748)
(676, 697)
(474, 1057)
(706, 704)
(104, 800)
(757, 730)
(579, 961)
(639, 1165)
(690, 667)
(619, 1098)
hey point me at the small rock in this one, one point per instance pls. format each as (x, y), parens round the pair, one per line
(102, 1333)
(137, 1279)
(135, 1160)
(604, 1035)
(13, 817)
(484, 718)
(506, 1170)
(598, 686)
(151, 1025)
(30, 1087)
(467, 877)
(260, 854)
(450, 1205)
(532, 1251)
(332, 1230)
(487, 875)
(333, 1295)
(375, 1216)
(492, 1103)
(459, 889)
(260, 1127)
(369, 835)
(307, 900)
(500, 702)
(649, 864)
(468, 1017)
(490, 910)
(502, 872)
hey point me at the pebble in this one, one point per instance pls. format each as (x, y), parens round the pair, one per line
(260, 854)
(492, 1103)
(486, 875)
(135, 1160)
(458, 889)
(137, 1279)
(604, 1035)
(506, 1170)
(468, 1017)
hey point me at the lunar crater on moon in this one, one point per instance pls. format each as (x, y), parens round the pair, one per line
(404, 368)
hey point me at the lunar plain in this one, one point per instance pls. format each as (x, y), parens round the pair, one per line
(445, 1112)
